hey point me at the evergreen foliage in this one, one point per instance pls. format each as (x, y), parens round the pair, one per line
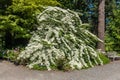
(113, 33)
(19, 19)
(60, 38)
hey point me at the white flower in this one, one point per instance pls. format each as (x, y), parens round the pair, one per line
(59, 36)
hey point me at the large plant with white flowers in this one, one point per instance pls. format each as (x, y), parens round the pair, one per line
(60, 39)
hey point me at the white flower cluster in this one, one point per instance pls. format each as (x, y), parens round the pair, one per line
(59, 36)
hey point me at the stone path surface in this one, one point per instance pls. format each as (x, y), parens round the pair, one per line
(111, 71)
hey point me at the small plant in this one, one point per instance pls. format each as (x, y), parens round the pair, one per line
(39, 67)
(11, 55)
(103, 56)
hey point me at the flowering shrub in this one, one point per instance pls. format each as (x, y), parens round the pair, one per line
(59, 37)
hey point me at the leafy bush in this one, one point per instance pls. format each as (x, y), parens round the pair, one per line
(19, 19)
(104, 58)
(11, 55)
(61, 42)
(113, 33)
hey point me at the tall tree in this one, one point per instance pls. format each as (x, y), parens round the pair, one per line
(101, 24)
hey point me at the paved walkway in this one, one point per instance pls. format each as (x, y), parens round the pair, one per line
(111, 71)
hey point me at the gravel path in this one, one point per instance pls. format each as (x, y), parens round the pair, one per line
(111, 71)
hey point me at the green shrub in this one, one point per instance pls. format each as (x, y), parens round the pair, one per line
(104, 58)
(11, 55)
(112, 38)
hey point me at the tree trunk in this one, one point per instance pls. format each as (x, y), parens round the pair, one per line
(101, 24)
